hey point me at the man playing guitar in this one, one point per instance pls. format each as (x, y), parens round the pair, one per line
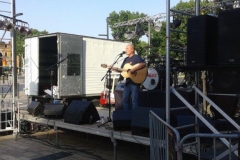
(130, 93)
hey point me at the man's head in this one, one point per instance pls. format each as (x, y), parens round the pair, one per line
(130, 49)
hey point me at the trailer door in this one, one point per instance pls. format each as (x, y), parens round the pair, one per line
(31, 66)
(70, 70)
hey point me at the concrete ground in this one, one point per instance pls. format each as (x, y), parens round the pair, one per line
(72, 145)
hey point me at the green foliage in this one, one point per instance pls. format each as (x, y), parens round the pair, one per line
(178, 40)
(20, 40)
(126, 16)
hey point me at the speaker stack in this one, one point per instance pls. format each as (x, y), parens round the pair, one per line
(202, 40)
(215, 41)
(122, 120)
(140, 120)
(226, 80)
(229, 37)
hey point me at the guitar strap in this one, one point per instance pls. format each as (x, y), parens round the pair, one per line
(123, 63)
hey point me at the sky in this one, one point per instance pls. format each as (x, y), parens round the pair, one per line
(81, 17)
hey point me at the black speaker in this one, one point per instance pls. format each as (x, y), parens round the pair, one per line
(227, 103)
(229, 37)
(140, 120)
(5, 116)
(54, 110)
(226, 81)
(122, 120)
(81, 112)
(35, 108)
(202, 40)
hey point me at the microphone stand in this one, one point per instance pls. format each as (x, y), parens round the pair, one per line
(108, 74)
(52, 73)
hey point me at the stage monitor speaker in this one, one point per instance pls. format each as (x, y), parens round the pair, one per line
(81, 112)
(54, 110)
(227, 103)
(226, 81)
(229, 37)
(202, 40)
(122, 120)
(35, 108)
(140, 120)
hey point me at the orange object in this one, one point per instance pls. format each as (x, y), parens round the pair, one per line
(103, 98)
(4, 62)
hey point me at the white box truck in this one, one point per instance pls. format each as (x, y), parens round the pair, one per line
(71, 63)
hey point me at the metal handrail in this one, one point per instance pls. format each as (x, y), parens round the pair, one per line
(208, 135)
(217, 108)
(202, 118)
(160, 141)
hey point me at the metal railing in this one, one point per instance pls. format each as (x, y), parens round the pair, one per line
(165, 142)
(203, 119)
(7, 119)
(163, 139)
(214, 145)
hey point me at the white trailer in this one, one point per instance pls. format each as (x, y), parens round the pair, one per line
(70, 62)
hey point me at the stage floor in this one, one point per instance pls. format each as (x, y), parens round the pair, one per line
(104, 130)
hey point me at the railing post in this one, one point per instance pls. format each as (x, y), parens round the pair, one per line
(238, 146)
(56, 131)
(18, 90)
(114, 145)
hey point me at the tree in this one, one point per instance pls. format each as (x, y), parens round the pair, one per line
(20, 40)
(118, 32)
(20, 43)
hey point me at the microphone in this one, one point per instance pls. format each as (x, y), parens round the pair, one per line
(121, 54)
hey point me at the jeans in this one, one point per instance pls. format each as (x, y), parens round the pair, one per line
(130, 93)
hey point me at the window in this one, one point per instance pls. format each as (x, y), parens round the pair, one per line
(73, 65)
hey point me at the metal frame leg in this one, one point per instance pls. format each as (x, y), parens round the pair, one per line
(56, 131)
(114, 146)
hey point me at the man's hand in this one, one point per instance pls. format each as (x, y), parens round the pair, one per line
(131, 71)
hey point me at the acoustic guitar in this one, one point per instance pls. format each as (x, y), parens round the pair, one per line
(137, 77)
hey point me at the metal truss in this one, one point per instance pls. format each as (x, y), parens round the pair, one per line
(140, 20)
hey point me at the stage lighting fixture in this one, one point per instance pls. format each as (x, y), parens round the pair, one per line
(157, 26)
(16, 28)
(146, 33)
(29, 32)
(236, 4)
(1, 24)
(129, 34)
(22, 29)
(118, 36)
(139, 31)
(226, 5)
(9, 26)
(176, 23)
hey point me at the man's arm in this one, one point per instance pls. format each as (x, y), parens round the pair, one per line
(113, 69)
(138, 67)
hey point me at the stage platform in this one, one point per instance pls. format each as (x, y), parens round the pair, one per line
(148, 99)
(104, 130)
